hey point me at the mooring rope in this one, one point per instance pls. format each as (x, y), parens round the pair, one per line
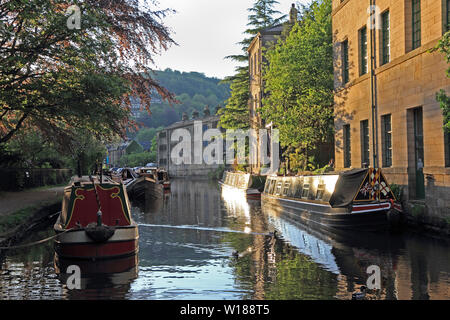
(34, 243)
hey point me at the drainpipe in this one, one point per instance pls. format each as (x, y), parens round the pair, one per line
(373, 84)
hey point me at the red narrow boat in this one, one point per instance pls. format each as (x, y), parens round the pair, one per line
(95, 221)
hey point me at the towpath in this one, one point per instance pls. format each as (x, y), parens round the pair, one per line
(11, 202)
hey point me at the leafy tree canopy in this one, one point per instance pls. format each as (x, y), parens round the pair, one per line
(56, 78)
(299, 83)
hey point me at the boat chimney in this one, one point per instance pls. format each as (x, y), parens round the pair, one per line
(293, 14)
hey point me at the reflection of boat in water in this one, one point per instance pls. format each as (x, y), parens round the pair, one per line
(245, 183)
(110, 279)
(359, 199)
(95, 221)
(347, 253)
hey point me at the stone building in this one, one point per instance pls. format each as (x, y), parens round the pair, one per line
(264, 39)
(400, 82)
(166, 145)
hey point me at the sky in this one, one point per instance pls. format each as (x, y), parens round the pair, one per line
(207, 31)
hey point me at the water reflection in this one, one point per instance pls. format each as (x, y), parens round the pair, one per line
(108, 279)
(200, 243)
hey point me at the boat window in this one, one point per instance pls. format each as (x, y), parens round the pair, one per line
(305, 191)
(272, 186)
(278, 190)
(267, 185)
(287, 184)
(298, 190)
(320, 191)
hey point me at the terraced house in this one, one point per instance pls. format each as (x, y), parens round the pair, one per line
(386, 80)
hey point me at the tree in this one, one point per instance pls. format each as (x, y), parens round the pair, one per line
(235, 114)
(444, 100)
(299, 85)
(55, 77)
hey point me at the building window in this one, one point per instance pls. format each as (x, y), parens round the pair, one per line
(365, 146)
(347, 147)
(416, 24)
(345, 64)
(386, 122)
(363, 51)
(386, 38)
(447, 148)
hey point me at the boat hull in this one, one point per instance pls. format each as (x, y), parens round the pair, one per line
(250, 194)
(373, 217)
(76, 244)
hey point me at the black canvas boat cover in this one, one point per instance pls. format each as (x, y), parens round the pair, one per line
(360, 185)
(347, 187)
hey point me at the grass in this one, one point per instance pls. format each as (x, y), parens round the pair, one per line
(9, 222)
(13, 220)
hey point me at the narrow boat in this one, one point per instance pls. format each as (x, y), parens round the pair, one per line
(95, 221)
(359, 199)
(250, 185)
(159, 175)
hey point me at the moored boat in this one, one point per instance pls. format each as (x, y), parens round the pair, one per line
(359, 199)
(250, 185)
(158, 175)
(95, 221)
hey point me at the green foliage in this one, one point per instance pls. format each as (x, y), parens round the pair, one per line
(444, 100)
(236, 115)
(299, 84)
(217, 174)
(56, 78)
(137, 159)
(193, 91)
(397, 191)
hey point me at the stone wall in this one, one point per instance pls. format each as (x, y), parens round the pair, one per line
(409, 81)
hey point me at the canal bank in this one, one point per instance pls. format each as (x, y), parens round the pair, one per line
(26, 212)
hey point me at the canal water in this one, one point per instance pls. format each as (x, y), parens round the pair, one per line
(199, 243)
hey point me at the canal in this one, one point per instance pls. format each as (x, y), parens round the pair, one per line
(200, 244)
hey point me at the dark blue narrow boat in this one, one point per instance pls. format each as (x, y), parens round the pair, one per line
(359, 199)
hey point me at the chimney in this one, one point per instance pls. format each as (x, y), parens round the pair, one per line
(206, 111)
(293, 14)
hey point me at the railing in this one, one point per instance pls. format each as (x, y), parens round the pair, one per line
(19, 179)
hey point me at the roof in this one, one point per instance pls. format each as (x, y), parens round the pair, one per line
(270, 31)
(186, 123)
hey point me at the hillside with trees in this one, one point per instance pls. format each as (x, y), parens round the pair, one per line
(192, 90)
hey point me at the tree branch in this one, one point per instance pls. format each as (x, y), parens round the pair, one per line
(12, 131)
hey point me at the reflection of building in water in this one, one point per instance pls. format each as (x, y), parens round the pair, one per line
(190, 202)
